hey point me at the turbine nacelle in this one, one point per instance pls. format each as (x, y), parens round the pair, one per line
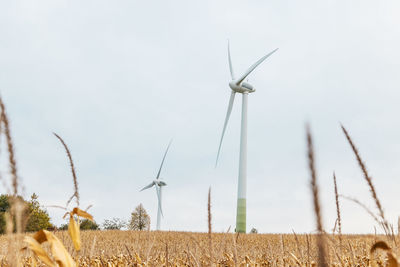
(156, 182)
(159, 182)
(242, 87)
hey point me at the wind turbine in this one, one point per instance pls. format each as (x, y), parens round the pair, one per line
(158, 185)
(239, 86)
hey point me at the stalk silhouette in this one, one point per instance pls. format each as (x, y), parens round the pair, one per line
(10, 148)
(368, 179)
(322, 255)
(75, 180)
(339, 220)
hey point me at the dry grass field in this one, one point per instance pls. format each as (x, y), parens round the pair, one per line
(135, 248)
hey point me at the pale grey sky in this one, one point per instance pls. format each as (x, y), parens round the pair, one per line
(118, 80)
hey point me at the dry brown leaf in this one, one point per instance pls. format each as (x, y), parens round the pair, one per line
(40, 237)
(82, 213)
(379, 245)
(37, 249)
(58, 251)
(392, 259)
(73, 230)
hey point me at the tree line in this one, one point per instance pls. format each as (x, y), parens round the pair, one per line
(37, 218)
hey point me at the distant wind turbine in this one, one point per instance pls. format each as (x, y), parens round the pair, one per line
(158, 185)
(239, 86)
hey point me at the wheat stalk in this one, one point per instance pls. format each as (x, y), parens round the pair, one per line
(75, 180)
(10, 147)
(368, 179)
(363, 206)
(339, 220)
(322, 255)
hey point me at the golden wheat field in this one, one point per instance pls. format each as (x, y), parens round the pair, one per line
(135, 248)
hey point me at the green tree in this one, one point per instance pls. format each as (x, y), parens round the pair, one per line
(114, 224)
(89, 225)
(85, 224)
(34, 217)
(63, 226)
(4, 207)
(38, 217)
(140, 220)
(14, 207)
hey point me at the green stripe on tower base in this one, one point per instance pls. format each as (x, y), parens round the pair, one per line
(241, 216)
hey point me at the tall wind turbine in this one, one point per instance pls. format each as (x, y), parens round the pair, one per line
(158, 185)
(239, 86)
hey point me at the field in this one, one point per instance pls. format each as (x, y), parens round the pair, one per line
(135, 248)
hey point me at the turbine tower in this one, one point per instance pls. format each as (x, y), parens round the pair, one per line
(158, 185)
(239, 86)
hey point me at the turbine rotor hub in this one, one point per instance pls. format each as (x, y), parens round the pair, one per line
(243, 88)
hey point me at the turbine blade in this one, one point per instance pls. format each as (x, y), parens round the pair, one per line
(230, 62)
(147, 187)
(158, 189)
(228, 114)
(240, 80)
(162, 162)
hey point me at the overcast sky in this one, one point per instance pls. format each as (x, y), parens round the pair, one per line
(118, 79)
